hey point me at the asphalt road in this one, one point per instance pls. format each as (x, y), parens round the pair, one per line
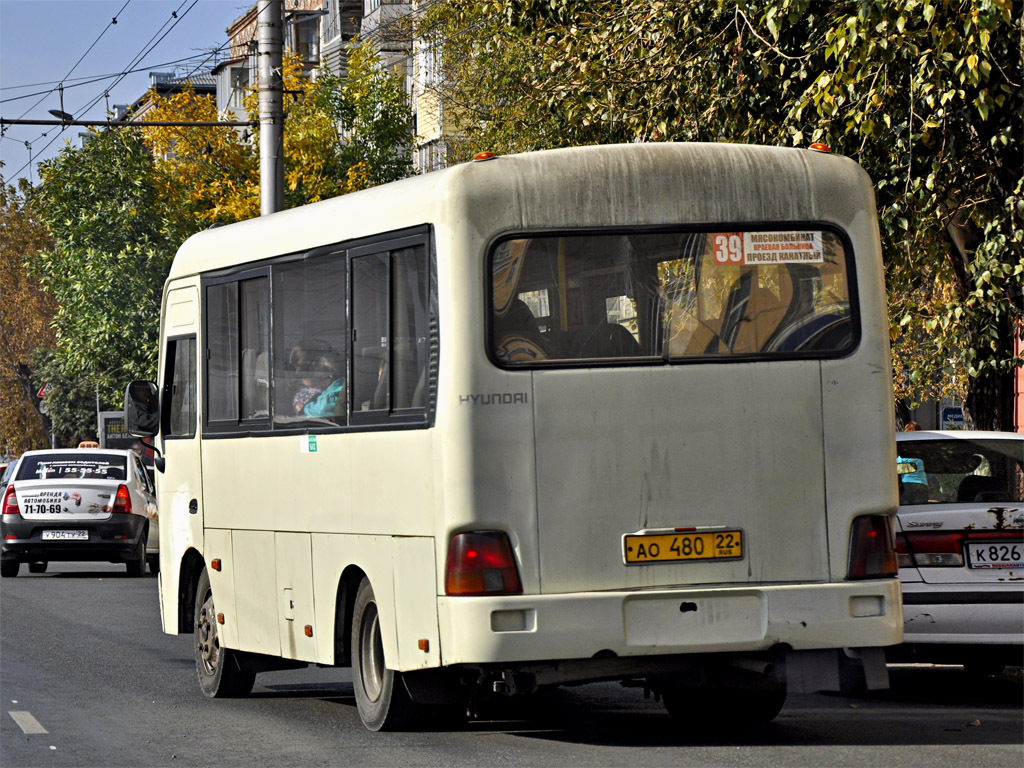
(88, 679)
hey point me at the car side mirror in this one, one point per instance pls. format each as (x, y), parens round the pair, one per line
(142, 409)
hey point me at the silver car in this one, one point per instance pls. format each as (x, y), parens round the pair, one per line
(79, 504)
(960, 544)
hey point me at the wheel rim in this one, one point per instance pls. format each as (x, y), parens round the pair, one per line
(207, 644)
(371, 654)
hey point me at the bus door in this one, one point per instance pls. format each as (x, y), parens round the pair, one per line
(179, 486)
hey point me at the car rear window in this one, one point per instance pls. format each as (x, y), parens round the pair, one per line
(957, 470)
(60, 466)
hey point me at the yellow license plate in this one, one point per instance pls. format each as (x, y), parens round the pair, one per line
(674, 547)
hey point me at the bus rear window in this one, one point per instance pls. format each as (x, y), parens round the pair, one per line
(664, 296)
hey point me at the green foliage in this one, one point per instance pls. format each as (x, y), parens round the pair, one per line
(114, 238)
(490, 72)
(925, 94)
(70, 402)
(372, 110)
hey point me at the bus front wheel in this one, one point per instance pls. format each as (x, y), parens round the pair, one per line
(381, 698)
(221, 672)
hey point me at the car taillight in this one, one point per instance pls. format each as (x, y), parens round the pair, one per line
(937, 549)
(928, 549)
(10, 506)
(481, 563)
(872, 555)
(122, 501)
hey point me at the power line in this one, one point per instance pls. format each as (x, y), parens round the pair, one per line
(112, 22)
(99, 78)
(146, 49)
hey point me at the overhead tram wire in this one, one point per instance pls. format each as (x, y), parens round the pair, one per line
(146, 49)
(110, 23)
(408, 57)
(100, 78)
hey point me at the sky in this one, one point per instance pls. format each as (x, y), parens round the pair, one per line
(43, 42)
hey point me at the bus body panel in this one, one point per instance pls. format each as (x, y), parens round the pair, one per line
(295, 599)
(585, 625)
(399, 570)
(222, 583)
(666, 186)
(179, 485)
(605, 470)
(253, 567)
(368, 482)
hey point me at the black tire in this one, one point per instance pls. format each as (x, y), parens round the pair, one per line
(153, 561)
(382, 701)
(9, 568)
(221, 673)
(711, 709)
(136, 564)
(37, 567)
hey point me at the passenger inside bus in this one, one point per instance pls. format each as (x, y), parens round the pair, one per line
(320, 385)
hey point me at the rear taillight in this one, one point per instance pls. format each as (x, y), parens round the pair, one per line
(927, 549)
(10, 506)
(481, 563)
(937, 549)
(122, 501)
(872, 555)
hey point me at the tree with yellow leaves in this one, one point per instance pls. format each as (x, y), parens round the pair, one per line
(25, 316)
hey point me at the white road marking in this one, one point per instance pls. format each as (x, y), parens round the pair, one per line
(27, 723)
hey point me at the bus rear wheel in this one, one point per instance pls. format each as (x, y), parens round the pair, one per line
(221, 672)
(381, 698)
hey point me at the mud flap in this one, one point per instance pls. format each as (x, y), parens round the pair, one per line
(836, 669)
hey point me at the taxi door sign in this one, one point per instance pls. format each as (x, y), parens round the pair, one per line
(767, 247)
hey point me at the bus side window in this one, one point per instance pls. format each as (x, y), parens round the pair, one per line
(310, 341)
(390, 328)
(180, 389)
(370, 277)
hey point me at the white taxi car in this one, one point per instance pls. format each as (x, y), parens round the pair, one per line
(79, 504)
(960, 545)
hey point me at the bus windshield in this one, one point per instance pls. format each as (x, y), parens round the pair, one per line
(670, 295)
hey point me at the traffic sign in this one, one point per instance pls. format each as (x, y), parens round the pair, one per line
(952, 418)
(43, 390)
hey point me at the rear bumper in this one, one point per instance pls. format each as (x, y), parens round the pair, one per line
(953, 614)
(111, 540)
(525, 628)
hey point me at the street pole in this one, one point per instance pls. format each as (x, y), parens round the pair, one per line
(269, 42)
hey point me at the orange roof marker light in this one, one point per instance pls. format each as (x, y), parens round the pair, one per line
(484, 156)
(819, 147)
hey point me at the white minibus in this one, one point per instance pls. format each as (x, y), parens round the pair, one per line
(590, 414)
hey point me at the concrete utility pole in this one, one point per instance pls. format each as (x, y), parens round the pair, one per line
(269, 42)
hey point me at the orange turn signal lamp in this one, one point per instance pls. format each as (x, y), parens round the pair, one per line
(819, 147)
